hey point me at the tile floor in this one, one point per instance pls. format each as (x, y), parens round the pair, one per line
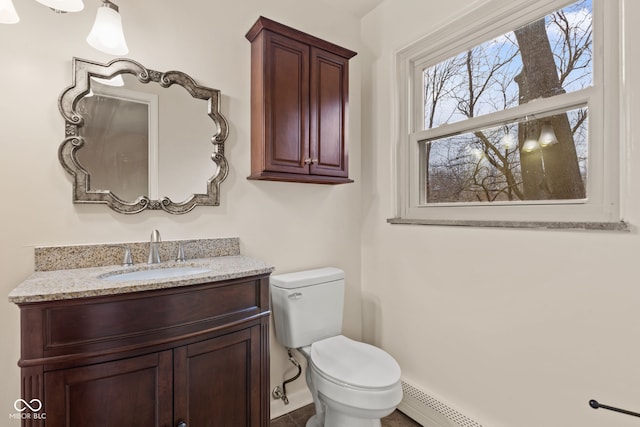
(299, 418)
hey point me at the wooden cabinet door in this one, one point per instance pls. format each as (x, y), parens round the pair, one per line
(286, 98)
(329, 94)
(134, 392)
(217, 381)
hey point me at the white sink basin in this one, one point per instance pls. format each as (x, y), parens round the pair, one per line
(155, 274)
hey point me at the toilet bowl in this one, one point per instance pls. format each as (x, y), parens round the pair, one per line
(353, 384)
(356, 383)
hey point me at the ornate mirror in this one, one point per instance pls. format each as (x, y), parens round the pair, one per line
(136, 138)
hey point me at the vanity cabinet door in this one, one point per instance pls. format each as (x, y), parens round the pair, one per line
(129, 392)
(218, 381)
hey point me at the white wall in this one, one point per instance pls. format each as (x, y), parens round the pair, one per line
(471, 320)
(293, 226)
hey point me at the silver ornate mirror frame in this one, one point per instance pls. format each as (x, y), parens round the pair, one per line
(83, 70)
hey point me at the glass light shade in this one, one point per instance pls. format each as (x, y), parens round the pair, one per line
(63, 5)
(107, 35)
(477, 153)
(8, 14)
(116, 81)
(508, 141)
(547, 135)
(530, 145)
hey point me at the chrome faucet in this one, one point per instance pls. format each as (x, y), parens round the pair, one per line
(154, 254)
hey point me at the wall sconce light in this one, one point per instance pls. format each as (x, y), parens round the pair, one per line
(116, 81)
(508, 141)
(8, 14)
(62, 6)
(530, 144)
(547, 135)
(106, 34)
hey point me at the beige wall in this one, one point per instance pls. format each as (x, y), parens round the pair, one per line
(293, 226)
(470, 321)
(510, 327)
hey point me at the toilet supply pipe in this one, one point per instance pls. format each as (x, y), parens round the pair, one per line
(281, 392)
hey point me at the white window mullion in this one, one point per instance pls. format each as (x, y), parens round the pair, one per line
(530, 111)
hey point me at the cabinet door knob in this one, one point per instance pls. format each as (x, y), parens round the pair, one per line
(181, 423)
(314, 161)
(307, 160)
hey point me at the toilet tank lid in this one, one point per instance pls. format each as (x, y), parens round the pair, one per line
(301, 279)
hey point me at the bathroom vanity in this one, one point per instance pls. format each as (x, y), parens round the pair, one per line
(183, 351)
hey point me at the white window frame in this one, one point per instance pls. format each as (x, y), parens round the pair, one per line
(601, 208)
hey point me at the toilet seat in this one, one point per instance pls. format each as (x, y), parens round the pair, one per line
(354, 363)
(353, 374)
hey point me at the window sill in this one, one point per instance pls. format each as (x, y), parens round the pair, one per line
(599, 226)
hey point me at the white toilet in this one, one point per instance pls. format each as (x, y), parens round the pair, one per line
(353, 384)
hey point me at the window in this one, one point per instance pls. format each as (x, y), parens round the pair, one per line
(507, 119)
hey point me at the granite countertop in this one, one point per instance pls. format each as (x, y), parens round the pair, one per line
(89, 282)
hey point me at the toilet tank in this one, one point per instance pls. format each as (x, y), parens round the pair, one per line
(307, 305)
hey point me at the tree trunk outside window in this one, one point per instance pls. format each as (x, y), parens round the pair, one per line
(551, 172)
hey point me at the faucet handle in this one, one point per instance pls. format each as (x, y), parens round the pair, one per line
(127, 259)
(180, 256)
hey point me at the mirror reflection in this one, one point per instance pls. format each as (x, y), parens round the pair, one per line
(118, 145)
(140, 139)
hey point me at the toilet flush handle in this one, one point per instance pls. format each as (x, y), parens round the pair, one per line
(295, 295)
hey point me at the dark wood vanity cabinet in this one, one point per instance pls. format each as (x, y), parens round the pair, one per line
(299, 102)
(187, 356)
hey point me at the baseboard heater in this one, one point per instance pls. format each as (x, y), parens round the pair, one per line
(429, 411)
